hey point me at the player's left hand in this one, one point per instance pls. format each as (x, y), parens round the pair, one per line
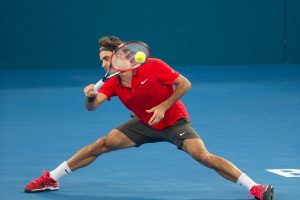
(158, 114)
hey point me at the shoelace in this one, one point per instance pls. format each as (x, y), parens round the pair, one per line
(42, 178)
(256, 191)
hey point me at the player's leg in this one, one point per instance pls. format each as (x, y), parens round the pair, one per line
(186, 138)
(49, 180)
(113, 141)
(196, 148)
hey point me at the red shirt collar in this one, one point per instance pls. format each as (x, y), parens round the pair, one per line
(134, 73)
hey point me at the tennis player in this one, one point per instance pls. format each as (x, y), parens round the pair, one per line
(152, 92)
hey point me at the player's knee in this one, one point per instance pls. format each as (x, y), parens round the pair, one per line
(97, 148)
(204, 158)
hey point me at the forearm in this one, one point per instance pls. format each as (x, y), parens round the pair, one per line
(182, 85)
(91, 103)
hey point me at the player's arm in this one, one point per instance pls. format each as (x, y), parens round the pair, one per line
(182, 85)
(93, 99)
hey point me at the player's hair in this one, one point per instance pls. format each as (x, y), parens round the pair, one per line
(109, 43)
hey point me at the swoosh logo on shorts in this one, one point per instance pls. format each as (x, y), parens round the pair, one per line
(181, 134)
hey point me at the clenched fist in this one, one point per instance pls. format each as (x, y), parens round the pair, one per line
(89, 91)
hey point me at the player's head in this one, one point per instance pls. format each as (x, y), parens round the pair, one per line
(107, 45)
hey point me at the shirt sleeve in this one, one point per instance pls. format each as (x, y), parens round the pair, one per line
(165, 73)
(109, 88)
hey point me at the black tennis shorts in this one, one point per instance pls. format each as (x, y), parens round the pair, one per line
(142, 134)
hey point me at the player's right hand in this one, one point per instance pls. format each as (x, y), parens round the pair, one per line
(89, 91)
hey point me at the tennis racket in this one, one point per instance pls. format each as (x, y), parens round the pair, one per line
(123, 60)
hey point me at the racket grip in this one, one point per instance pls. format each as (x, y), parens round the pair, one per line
(98, 85)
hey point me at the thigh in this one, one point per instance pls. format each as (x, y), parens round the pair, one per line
(181, 131)
(194, 146)
(138, 132)
(115, 139)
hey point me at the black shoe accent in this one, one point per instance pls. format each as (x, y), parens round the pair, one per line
(269, 193)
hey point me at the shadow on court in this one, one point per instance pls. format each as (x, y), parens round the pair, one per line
(247, 114)
(59, 196)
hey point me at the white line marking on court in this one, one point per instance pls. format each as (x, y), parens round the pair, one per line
(289, 173)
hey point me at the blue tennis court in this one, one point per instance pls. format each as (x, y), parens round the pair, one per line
(247, 114)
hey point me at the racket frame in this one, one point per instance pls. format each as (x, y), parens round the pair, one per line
(107, 76)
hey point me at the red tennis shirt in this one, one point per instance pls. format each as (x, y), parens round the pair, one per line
(151, 84)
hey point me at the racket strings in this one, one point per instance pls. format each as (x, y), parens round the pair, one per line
(123, 59)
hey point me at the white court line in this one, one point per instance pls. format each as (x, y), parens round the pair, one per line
(289, 173)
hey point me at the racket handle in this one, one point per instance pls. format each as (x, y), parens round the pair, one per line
(98, 85)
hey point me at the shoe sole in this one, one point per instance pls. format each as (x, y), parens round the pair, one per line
(269, 193)
(42, 190)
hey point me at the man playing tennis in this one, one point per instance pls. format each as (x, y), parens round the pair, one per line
(152, 92)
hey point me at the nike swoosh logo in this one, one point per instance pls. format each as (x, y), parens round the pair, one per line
(181, 134)
(142, 82)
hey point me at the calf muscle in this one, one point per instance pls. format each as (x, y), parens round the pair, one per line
(113, 141)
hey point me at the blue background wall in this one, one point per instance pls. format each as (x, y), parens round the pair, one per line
(64, 34)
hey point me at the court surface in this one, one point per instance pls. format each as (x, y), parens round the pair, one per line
(247, 114)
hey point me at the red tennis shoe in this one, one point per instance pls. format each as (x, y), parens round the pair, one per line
(262, 192)
(41, 184)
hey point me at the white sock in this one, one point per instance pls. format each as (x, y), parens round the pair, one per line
(245, 181)
(62, 170)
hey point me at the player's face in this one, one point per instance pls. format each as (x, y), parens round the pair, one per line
(105, 59)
